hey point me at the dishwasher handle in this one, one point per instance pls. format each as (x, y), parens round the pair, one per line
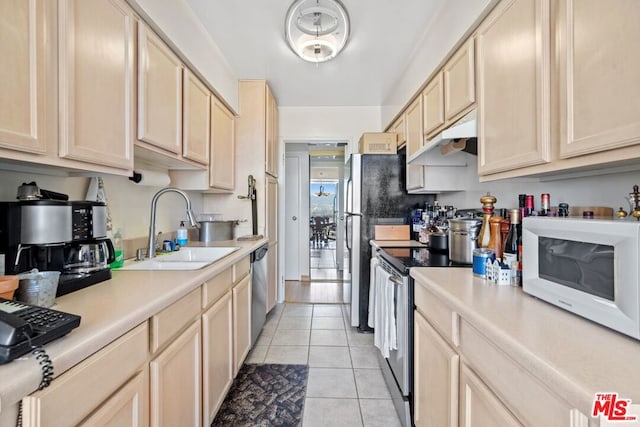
(259, 253)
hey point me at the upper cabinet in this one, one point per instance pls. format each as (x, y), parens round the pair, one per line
(415, 173)
(451, 92)
(566, 96)
(599, 69)
(513, 86)
(25, 84)
(272, 143)
(433, 103)
(399, 128)
(223, 153)
(196, 118)
(96, 46)
(159, 93)
(459, 82)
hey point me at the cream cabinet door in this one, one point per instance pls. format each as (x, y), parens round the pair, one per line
(435, 378)
(271, 214)
(599, 66)
(196, 115)
(217, 356)
(272, 276)
(159, 93)
(479, 406)
(241, 322)
(25, 83)
(399, 128)
(459, 81)
(223, 152)
(128, 407)
(176, 381)
(415, 173)
(96, 68)
(513, 46)
(433, 105)
(271, 134)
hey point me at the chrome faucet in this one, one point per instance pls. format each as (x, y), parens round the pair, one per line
(151, 249)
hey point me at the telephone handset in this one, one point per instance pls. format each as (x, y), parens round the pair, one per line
(23, 327)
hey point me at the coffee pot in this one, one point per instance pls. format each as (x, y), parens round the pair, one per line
(56, 235)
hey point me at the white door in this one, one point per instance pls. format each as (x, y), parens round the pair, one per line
(292, 218)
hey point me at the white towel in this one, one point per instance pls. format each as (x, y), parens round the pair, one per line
(372, 294)
(384, 334)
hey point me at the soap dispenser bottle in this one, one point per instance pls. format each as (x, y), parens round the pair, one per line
(181, 235)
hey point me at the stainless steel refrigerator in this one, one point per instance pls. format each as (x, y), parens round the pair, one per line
(375, 195)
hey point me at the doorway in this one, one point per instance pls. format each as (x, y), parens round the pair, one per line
(326, 209)
(314, 226)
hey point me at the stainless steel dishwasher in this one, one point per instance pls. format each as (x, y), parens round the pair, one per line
(258, 290)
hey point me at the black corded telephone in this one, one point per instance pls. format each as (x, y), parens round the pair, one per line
(24, 327)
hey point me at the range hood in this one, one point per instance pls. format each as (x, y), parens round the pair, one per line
(460, 136)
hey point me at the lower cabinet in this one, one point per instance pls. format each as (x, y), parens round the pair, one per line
(174, 369)
(436, 377)
(478, 405)
(175, 391)
(463, 379)
(108, 388)
(217, 355)
(127, 407)
(241, 322)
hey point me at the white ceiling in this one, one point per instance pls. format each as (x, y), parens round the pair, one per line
(384, 33)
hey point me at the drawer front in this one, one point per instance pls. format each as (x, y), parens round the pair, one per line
(166, 324)
(75, 394)
(241, 269)
(215, 288)
(438, 314)
(526, 397)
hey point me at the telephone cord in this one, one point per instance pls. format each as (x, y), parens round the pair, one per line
(47, 372)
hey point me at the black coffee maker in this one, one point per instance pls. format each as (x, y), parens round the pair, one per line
(57, 235)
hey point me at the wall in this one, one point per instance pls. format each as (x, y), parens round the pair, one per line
(602, 190)
(179, 23)
(129, 203)
(328, 123)
(447, 28)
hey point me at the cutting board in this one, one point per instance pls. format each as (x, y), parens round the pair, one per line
(391, 232)
(598, 211)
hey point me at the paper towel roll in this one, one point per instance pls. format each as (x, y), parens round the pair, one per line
(150, 178)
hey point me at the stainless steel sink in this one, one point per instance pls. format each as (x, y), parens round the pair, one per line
(187, 258)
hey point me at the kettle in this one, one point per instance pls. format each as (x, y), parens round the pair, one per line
(31, 191)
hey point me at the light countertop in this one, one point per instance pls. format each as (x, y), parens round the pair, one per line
(572, 356)
(108, 310)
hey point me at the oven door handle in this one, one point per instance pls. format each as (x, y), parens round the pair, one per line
(396, 281)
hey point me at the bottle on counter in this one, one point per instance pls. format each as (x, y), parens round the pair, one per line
(522, 204)
(118, 250)
(544, 204)
(512, 250)
(528, 205)
(487, 212)
(495, 239)
(181, 235)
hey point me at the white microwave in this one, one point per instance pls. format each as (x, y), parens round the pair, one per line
(586, 266)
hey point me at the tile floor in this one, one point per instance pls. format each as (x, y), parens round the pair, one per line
(345, 386)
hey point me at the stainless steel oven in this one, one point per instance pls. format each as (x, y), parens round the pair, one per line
(397, 368)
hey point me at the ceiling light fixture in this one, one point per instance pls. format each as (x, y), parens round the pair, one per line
(317, 30)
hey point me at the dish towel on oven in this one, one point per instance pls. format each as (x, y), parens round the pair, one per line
(384, 324)
(372, 290)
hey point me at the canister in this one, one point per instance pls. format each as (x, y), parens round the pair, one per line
(480, 256)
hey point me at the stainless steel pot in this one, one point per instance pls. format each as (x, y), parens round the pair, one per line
(438, 241)
(211, 231)
(463, 239)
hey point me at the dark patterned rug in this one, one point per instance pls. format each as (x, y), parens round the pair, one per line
(265, 395)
